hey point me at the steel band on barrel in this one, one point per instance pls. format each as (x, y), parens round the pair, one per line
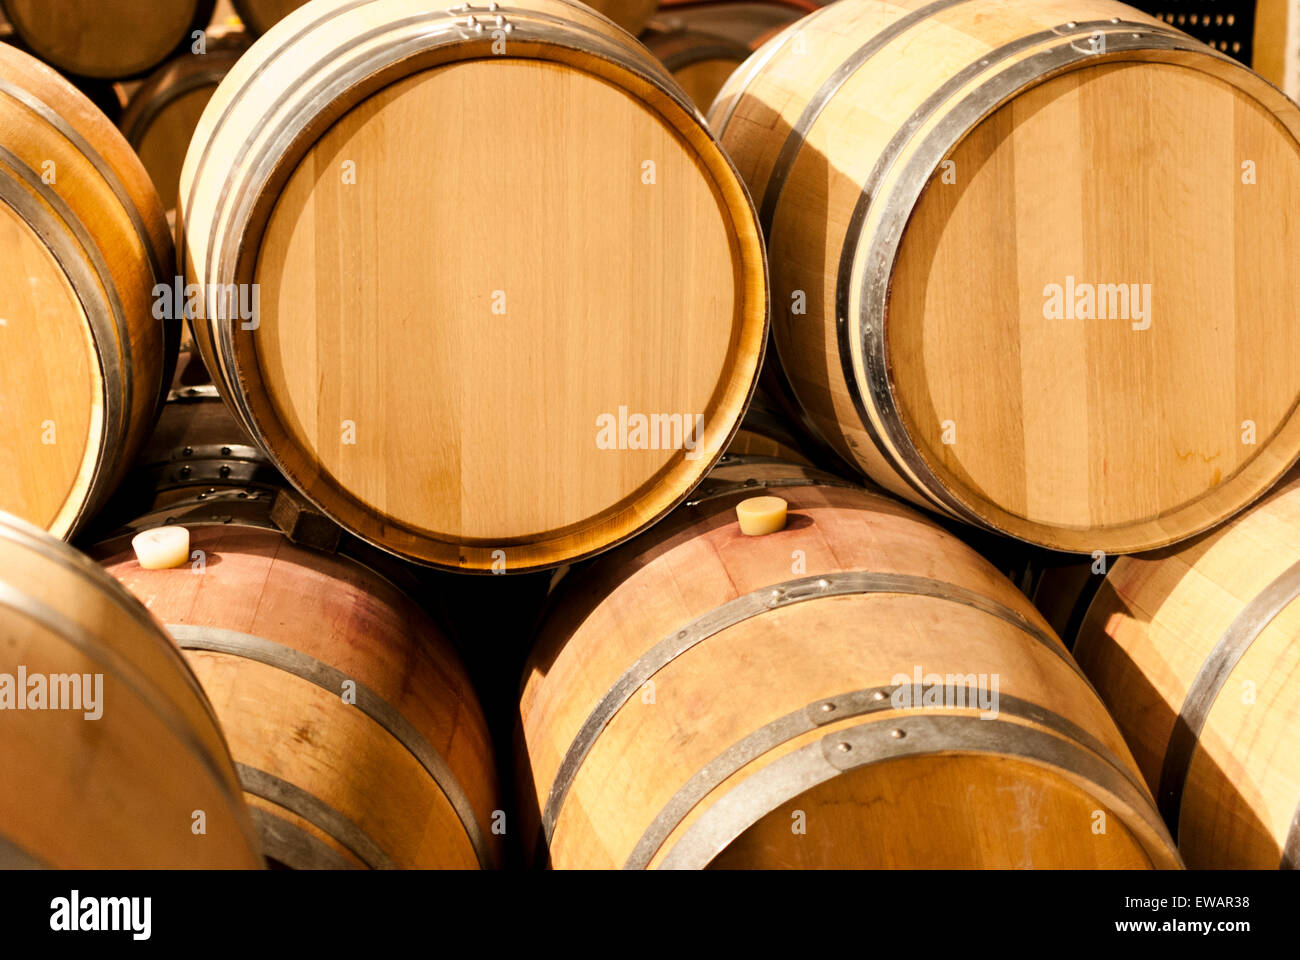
(306, 667)
(742, 608)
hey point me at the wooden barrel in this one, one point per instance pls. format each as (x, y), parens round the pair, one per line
(742, 21)
(162, 114)
(700, 62)
(106, 95)
(700, 697)
(764, 433)
(1194, 649)
(125, 765)
(106, 38)
(989, 293)
(358, 739)
(261, 15)
(83, 358)
(575, 299)
(197, 450)
(1062, 587)
(631, 15)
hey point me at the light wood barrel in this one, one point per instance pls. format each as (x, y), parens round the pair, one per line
(700, 62)
(699, 697)
(148, 782)
(106, 38)
(83, 358)
(162, 114)
(358, 739)
(459, 343)
(990, 294)
(631, 15)
(1195, 651)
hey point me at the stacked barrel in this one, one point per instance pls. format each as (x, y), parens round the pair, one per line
(874, 472)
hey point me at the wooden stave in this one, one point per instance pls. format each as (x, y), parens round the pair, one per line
(461, 784)
(203, 10)
(890, 458)
(146, 666)
(1173, 701)
(613, 49)
(575, 603)
(126, 257)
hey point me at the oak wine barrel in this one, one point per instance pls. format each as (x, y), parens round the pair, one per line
(808, 698)
(472, 341)
(1195, 649)
(161, 116)
(1063, 587)
(260, 16)
(197, 449)
(83, 359)
(764, 433)
(357, 736)
(1038, 279)
(700, 62)
(748, 22)
(106, 38)
(123, 765)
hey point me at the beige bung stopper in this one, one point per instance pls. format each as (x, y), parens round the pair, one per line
(162, 547)
(760, 515)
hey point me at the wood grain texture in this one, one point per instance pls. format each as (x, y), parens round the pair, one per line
(485, 264)
(1127, 167)
(119, 791)
(1147, 635)
(82, 356)
(106, 38)
(785, 659)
